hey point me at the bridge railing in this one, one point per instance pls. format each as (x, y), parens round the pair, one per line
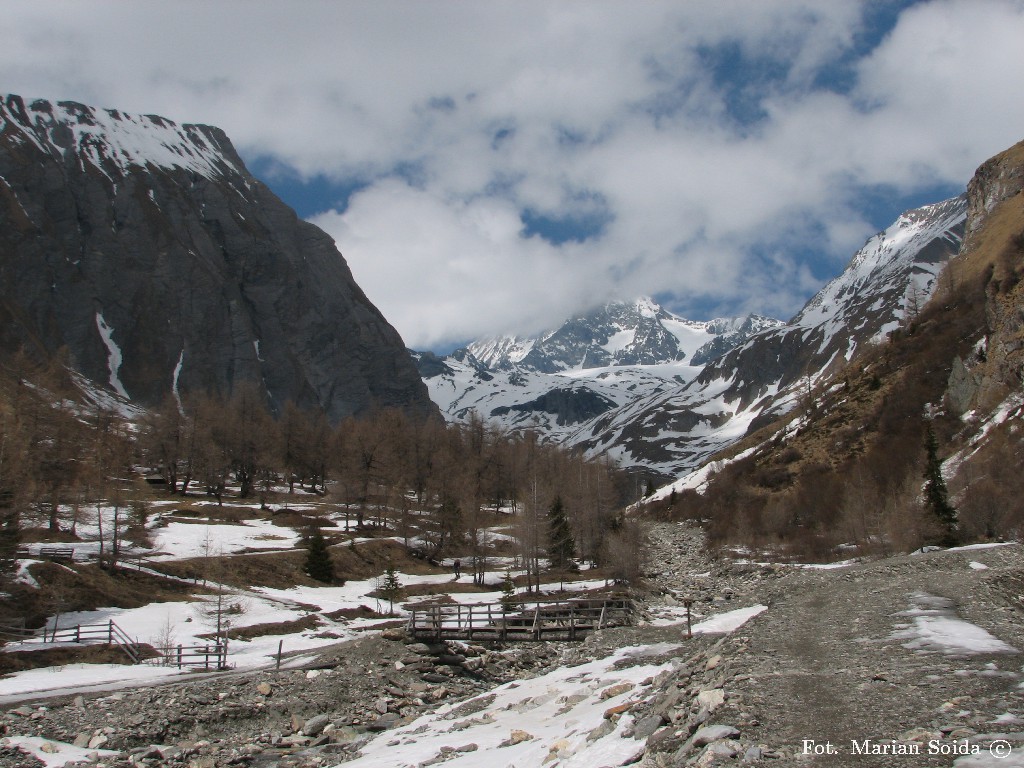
(525, 620)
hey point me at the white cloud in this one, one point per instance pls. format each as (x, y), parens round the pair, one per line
(430, 265)
(461, 116)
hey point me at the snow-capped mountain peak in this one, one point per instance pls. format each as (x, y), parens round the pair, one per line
(619, 333)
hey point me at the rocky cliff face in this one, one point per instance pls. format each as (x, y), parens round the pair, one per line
(162, 265)
(994, 253)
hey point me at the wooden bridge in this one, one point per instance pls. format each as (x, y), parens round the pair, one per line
(529, 620)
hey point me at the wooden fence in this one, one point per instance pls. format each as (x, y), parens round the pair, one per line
(49, 553)
(209, 656)
(529, 620)
(107, 633)
(14, 630)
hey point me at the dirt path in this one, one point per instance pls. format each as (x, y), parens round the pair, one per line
(826, 674)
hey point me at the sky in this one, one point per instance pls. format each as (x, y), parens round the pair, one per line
(494, 167)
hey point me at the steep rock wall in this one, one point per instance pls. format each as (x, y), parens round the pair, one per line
(150, 253)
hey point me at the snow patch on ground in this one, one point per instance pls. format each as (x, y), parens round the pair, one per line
(179, 540)
(54, 754)
(721, 623)
(935, 626)
(554, 718)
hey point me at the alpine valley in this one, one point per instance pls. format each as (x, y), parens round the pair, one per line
(275, 464)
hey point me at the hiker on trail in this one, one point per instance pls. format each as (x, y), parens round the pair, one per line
(457, 565)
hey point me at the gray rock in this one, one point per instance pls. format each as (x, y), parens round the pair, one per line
(384, 722)
(711, 733)
(646, 726)
(606, 727)
(315, 725)
(711, 698)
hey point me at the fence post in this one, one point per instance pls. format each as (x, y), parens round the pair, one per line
(280, 644)
(110, 633)
(179, 656)
(78, 633)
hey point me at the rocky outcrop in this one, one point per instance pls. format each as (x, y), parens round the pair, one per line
(569, 406)
(993, 254)
(150, 253)
(996, 180)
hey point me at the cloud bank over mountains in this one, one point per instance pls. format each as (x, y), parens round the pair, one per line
(495, 167)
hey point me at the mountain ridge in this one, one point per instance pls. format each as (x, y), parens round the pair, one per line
(617, 333)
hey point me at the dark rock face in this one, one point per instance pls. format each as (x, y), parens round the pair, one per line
(570, 406)
(151, 253)
(429, 365)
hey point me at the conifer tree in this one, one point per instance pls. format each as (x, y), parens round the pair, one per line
(318, 557)
(561, 547)
(508, 592)
(935, 492)
(390, 588)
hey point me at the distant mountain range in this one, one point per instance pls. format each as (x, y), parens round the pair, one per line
(662, 394)
(618, 334)
(592, 364)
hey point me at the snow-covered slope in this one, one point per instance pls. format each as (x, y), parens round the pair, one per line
(662, 394)
(889, 279)
(671, 433)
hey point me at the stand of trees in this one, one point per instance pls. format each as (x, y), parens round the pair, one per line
(441, 487)
(61, 463)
